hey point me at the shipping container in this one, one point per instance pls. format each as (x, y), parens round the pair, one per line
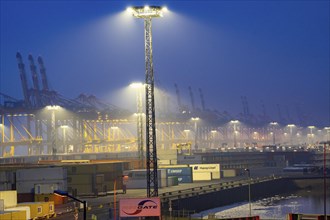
(184, 171)
(57, 199)
(25, 209)
(25, 197)
(189, 159)
(40, 209)
(32, 174)
(228, 173)
(80, 179)
(202, 176)
(205, 167)
(29, 186)
(185, 179)
(13, 215)
(9, 198)
(45, 188)
(172, 181)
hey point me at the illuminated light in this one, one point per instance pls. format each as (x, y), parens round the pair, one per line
(53, 107)
(136, 85)
(165, 9)
(129, 9)
(147, 11)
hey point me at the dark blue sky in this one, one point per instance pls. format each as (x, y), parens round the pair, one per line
(274, 51)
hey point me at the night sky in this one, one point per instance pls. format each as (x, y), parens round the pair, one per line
(276, 52)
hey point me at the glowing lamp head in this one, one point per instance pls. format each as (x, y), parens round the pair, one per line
(147, 11)
(136, 85)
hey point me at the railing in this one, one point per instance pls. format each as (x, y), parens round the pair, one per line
(196, 191)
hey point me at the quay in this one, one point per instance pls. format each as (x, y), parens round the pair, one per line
(186, 199)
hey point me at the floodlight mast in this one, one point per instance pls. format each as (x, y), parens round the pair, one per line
(147, 13)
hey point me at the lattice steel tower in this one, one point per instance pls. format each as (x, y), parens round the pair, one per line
(147, 13)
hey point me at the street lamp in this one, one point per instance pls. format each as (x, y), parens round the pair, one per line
(311, 133)
(291, 126)
(235, 122)
(273, 124)
(328, 133)
(195, 120)
(64, 127)
(53, 108)
(64, 193)
(248, 172)
(138, 87)
(214, 132)
(186, 131)
(147, 13)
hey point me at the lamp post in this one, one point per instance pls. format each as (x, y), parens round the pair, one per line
(273, 124)
(235, 122)
(195, 120)
(64, 193)
(328, 133)
(213, 133)
(249, 182)
(64, 127)
(311, 133)
(147, 13)
(186, 131)
(139, 122)
(53, 108)
(291, 126)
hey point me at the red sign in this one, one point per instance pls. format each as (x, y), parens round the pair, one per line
(139, 207)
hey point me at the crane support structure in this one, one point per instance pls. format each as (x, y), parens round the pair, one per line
(147, 13)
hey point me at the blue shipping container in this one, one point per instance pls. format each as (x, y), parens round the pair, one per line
(185, 179)
(183, 171)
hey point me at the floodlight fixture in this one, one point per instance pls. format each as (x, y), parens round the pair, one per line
(136, 85)
(147, 11)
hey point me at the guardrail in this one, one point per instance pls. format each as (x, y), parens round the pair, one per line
(200, 190)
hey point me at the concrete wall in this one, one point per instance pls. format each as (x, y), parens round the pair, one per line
(232, 195)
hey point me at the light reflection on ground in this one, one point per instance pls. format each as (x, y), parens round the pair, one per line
(276, 207)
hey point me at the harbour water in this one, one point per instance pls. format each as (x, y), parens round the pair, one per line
(275, 207)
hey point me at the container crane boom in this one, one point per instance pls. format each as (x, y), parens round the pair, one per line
(44, 80)
(202, 99)
(24, 81)
(192, 98)
(35, 80)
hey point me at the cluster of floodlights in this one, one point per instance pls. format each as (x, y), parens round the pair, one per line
(147, 11)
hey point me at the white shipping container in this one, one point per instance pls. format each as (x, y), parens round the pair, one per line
(41, 174)
(202, 176)
(21, 208)
(28, 186)
(45, 188)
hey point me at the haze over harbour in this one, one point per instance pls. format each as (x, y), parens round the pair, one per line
(273, 53)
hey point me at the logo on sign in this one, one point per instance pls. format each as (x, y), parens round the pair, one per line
(143, 206)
